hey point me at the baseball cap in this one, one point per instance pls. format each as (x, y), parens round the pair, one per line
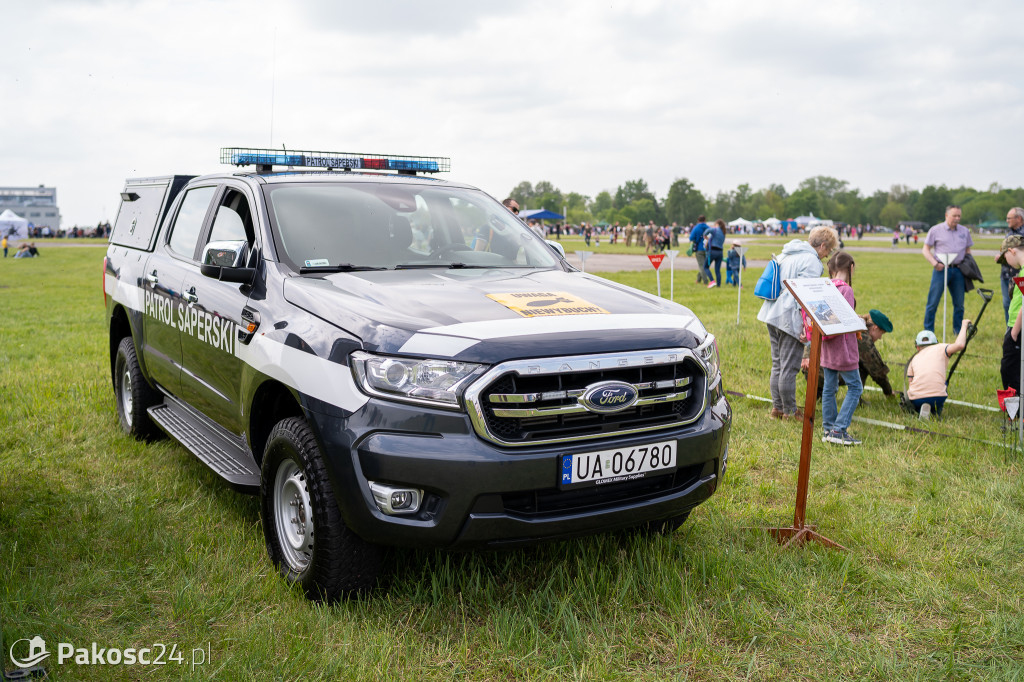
(925, 338)
(881, 321)
(1013, 241)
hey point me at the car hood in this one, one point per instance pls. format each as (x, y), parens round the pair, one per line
(469, 314)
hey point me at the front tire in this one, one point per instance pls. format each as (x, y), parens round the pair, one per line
(306, 537)
(133, 393)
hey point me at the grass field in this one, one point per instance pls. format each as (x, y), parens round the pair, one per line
(106, 540)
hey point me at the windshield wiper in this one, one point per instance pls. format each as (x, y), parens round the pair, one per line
(447, 266)
(341, 267)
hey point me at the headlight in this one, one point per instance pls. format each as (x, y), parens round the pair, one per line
(708, 352)
(425, 381)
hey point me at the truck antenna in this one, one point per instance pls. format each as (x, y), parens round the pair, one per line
(273, 83)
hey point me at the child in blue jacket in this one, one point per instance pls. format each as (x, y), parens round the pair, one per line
(733, 261)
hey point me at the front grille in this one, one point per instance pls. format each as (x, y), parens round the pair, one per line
(517, 407)
(555, 501)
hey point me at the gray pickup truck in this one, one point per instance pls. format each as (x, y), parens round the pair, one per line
(386, 358)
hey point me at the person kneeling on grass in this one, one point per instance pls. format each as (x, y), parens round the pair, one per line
(871, 362)
(840, 358)
(926, 371)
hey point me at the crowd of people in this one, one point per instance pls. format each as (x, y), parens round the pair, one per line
(658, 237)
(654, 238)
(75, 232)
(30, 250)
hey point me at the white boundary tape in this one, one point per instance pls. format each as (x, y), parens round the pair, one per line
(951, 401)
(889, 425)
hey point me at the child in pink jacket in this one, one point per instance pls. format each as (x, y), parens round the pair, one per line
(840, 358)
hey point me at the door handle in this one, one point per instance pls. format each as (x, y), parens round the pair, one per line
(190, 295)
(152, 278)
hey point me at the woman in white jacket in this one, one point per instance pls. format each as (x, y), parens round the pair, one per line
(785, 326)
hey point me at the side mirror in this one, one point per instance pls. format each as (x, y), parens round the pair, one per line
(557, 247)
(225, 261)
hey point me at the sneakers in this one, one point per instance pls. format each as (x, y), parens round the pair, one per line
(840, 438)
(712, 285)
(848, 439)
(926, 411)
(775, 414)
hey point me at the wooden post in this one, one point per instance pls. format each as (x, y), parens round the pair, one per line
(804, 473)
(800, 532)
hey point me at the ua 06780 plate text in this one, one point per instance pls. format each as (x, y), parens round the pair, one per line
(612, 466)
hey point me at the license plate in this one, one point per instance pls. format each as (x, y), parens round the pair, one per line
(613, 466)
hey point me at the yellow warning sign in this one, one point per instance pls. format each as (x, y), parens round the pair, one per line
(545, 303)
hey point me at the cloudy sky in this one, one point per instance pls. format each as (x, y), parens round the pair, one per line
(583, 93)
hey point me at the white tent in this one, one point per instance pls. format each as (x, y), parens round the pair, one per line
(13, 226)
(812, 220)
(740, 222)
(772, 222)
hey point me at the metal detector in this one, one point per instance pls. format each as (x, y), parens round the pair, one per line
(972, 329)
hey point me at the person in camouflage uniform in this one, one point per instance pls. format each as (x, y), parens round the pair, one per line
(871, 363)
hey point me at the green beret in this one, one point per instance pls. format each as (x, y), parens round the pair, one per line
(881, 321)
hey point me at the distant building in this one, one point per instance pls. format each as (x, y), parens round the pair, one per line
(38, 205)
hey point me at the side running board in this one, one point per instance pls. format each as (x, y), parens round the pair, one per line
(222, 452)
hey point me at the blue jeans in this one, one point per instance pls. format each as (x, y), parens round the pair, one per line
(956, 292)
(936, 404)
(732, 277)
(715, 256)
(831, 420)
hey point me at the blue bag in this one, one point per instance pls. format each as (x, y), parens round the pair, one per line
(769, 284)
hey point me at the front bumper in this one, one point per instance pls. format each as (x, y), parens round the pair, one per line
(479, 494)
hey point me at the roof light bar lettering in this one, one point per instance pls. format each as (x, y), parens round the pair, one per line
(265, 159)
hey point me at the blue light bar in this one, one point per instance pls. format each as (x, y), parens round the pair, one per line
(250, 159)
(410, 165)
(265, 159)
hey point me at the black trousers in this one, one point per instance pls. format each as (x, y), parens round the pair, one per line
(1009, 367)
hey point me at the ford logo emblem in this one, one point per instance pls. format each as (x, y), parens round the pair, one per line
(607, 397)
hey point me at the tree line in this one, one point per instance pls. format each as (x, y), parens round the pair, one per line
(824, 196)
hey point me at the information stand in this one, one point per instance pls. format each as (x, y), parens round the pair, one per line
(830, 315)
(656, 259)
(945, 259)
(742, 250)
(584, 255)
(672, 253)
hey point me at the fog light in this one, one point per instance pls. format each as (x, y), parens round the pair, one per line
(391, 500)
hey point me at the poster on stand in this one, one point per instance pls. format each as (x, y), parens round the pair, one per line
(822, 300)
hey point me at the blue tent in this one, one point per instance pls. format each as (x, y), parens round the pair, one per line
(540, 214)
